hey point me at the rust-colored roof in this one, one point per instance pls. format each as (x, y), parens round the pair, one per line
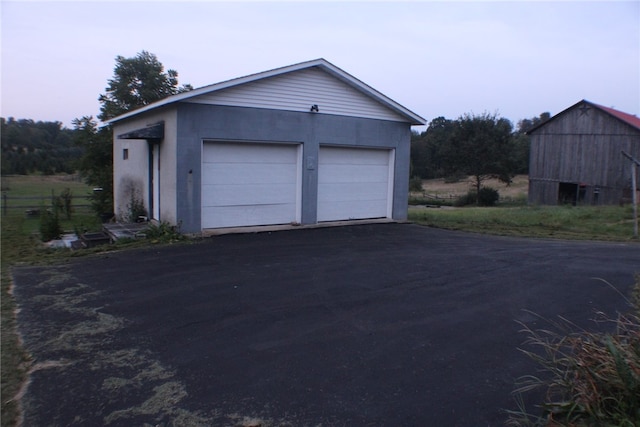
(625, 117)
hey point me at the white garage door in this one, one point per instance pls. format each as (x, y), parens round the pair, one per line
(354, 183)
(250, 184)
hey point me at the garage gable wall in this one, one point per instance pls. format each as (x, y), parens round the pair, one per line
(197, 123)
(299, 91)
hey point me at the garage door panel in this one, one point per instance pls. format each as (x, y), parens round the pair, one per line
(258, 194)
(240, 216)
(249, 184)
(249, 173)
(353, 191)
(364, 209)
(249, 153)
(350, 156)
(353, 173)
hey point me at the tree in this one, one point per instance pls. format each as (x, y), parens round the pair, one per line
(525, 124)
(481, 146)
(96, 165)
(137, 82)
(427, 149)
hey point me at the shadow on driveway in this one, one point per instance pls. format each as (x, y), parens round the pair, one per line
(369, 325)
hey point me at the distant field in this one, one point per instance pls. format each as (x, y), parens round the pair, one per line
(25, 192)
(42, 185)
(518, 189)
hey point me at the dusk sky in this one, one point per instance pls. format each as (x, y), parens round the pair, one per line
(517, 59)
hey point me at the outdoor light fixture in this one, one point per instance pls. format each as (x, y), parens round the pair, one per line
(314, 108)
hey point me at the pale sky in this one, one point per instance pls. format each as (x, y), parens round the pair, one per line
(514, 58)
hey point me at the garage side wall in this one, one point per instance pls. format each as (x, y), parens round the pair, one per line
(197, 123)
(131, 174)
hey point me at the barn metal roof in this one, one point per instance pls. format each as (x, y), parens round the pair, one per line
(625, 117)
(321, 63)
(629, 119)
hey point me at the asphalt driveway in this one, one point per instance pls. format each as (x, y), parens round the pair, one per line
(368, 325)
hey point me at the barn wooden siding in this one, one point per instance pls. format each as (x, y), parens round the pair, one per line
(582, 147)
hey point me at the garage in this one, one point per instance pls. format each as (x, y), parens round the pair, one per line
(354, 183)
(246, 184)
(294, 145)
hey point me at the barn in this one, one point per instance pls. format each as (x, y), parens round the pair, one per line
(577, 156)
(301, 144)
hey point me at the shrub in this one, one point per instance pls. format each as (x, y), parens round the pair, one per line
(50, 224)
(415, 184)
(470, 198)
(488, 196)
(135, 209)
(591, 379)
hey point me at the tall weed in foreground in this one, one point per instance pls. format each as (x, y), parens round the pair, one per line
(590, 379)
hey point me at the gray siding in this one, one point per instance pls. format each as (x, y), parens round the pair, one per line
(196, 123)
(583, 148)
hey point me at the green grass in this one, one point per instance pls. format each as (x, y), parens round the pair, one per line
(22, 193)
(42, 185)
(586, 223)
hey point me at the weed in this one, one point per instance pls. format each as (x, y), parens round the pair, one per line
(50, 224)
(163, 232)
(590, 378)
(66, 202)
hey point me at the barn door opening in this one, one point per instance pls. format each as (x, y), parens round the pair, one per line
(567, 193)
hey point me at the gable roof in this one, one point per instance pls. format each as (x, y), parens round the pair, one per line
(320, 64)
(627, 118)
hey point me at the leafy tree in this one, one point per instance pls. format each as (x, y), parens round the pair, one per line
(137, 82)
(427, 149)
(96, 165)
(525, 124)
(481, 146)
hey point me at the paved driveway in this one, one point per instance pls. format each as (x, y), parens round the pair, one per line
(369, 325)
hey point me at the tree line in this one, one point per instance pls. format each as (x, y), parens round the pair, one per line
(37, 147)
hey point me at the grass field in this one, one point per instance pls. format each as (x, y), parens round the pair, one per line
(612, 223)
(35, 192)
(513, 217)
